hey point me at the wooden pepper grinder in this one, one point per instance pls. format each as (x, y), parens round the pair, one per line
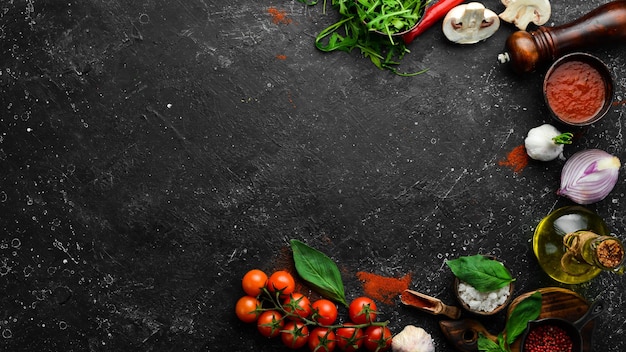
(526, 50)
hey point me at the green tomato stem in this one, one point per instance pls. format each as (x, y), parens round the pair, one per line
(277, 305)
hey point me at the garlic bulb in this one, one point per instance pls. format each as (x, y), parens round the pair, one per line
(589, 176)
(545, 143)
(412, 339)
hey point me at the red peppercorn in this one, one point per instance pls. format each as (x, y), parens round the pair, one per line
(548, 338)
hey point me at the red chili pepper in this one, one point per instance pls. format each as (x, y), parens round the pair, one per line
(432, 14)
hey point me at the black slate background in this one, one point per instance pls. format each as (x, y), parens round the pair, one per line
(154, 151)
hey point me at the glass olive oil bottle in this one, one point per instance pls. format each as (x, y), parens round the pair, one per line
(573, 245)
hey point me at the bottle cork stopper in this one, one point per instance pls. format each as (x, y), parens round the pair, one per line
(610, 253)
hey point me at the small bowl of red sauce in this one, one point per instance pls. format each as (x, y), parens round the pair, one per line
(578, 89)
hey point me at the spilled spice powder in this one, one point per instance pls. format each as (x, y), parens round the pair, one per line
(383, 289)
(278, 16)
(517, 159)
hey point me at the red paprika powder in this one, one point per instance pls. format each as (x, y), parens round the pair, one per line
(517, 159)
(383, 289)
(575, 91)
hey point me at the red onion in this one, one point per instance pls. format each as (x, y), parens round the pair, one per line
(589, 176)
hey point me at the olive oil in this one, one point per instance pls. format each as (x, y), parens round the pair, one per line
(552, 253)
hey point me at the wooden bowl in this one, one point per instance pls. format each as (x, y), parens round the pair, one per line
(467, 307)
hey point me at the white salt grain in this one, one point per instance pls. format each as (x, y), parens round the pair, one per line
(482, 301)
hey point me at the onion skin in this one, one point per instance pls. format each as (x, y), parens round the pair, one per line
(589, 176)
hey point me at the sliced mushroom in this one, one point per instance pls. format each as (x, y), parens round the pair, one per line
(470, 23)
(522, 12)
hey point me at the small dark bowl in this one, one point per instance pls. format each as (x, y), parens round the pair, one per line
(571, 329)
(607, 79)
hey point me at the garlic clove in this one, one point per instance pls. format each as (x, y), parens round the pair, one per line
(412, 339)
(541, 145)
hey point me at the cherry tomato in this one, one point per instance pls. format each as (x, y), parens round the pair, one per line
(377, 339)
(349, 339)
(324, 312)
(294, 334)
(281, 281)
(298, 304)
(362, 310)
(270, 323)
(253, 281)
(322, 340)
(247, 309)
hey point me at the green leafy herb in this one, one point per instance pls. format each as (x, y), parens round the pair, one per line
(389, 16)
(482, 273)
(485, 344)
(319, 271)
(352, 32)
(527, 310)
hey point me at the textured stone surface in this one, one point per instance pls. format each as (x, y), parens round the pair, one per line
(154, 151)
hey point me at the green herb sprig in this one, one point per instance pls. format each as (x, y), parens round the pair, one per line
(528, 309)
(389, 16)
(352, 32)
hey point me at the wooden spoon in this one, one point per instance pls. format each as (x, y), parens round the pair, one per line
(428, 304)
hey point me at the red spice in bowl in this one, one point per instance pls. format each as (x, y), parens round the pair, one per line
(578, 89)
(548, 338)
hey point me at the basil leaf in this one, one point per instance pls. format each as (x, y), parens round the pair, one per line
(319, 271)
(485, 344)
(528, 309)
(502, 343)
(482, 273)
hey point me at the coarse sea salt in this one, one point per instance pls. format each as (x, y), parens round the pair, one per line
(482, 301)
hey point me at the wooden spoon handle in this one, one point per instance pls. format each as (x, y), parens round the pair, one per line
(451, 312)
(428, 304)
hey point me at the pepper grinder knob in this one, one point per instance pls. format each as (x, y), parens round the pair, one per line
(527, 50)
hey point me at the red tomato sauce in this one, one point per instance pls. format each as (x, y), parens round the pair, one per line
(575, 91)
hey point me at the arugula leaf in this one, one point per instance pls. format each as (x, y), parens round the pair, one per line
(482, 273)
(528, 309)
(352, 32)
(319, 271)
